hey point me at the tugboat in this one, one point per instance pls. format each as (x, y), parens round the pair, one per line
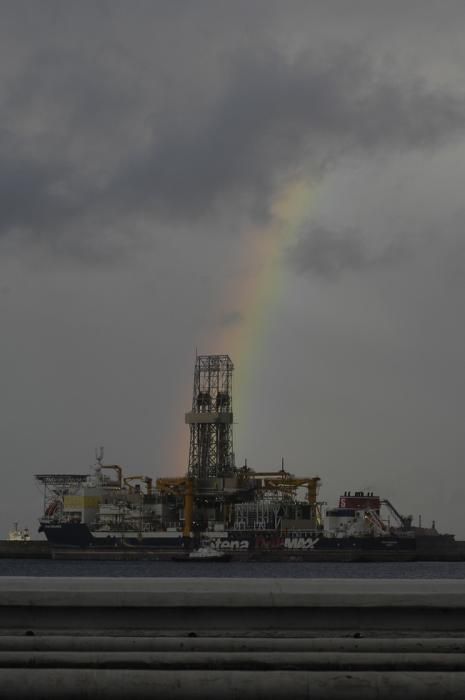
(204, 553)
(208, 554)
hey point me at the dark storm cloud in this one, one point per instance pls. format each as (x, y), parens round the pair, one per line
(274, 117)
(27, 196)
(329, 254)
(107, 144)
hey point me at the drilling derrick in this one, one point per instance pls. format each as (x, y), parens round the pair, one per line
(211, 419)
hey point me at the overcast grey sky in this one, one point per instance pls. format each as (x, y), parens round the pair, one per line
(142, 144)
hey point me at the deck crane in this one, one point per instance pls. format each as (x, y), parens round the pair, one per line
(180, 486)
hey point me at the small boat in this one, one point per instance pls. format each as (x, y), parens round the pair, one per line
(17, 535)
(204, 554)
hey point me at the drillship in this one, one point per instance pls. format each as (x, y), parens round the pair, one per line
(217, 504)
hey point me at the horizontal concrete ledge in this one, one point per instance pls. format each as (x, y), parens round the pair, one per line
(48, 684)
(239, 661)
(232, 645)
(230, 593)
(204, 607)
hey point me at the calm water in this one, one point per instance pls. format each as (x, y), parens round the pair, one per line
(420, 570)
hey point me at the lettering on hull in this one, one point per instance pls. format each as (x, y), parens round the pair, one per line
(230, 545)
(300, 542)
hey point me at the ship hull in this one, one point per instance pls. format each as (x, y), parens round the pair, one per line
(305, 541)
(80, 536)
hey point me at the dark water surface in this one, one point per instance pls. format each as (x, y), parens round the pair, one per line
(403, 570)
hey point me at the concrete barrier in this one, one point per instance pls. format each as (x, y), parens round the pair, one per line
(247, 638)
(218, 685)
(232, 607)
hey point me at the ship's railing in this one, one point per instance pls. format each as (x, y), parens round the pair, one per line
(59, 519)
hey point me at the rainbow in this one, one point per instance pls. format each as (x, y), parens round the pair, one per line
(253, 295)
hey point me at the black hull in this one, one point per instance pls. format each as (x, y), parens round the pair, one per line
(78, 535)
(67, 535)
(304, 542)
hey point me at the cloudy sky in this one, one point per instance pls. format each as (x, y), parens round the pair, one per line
(280, 181)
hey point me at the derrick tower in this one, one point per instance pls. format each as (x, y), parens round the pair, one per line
(211, 418)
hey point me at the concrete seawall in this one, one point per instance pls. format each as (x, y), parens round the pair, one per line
(40, 549)
(34, 549)
(339, 556)
(247, 638)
